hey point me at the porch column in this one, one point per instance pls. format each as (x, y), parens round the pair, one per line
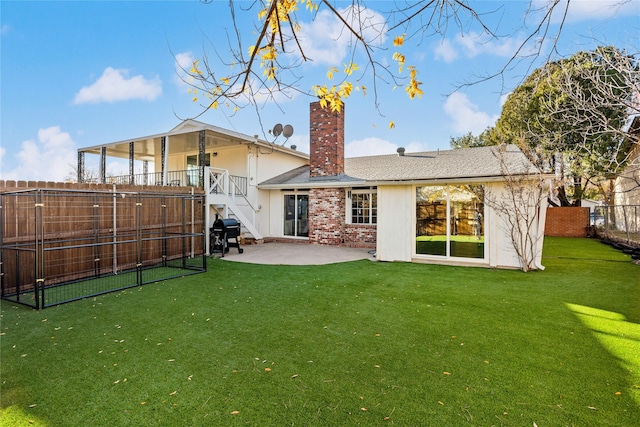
(201, 159)
(132, 180)
(145, 172)
(103, 165)
(80, 170)
(164, 158)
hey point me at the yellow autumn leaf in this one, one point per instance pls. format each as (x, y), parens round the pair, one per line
(400, 59)
(331, 72)
(350, 68)
(311, 5)
(392, 125)
(267, 369)
(399, 40)
(447, 373)
(235, 412)
(225, 80)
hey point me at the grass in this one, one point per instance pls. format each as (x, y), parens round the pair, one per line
(357, 343)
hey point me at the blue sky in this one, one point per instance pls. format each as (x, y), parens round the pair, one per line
(78, 74)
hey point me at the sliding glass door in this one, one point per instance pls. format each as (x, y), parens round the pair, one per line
(450, 221)
(296, 215)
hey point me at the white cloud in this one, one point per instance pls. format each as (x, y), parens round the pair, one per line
(326, 41)
(583, 10)
(474, 44)
(466, 116)
(446, 51)
(183, 61)
(49, 158)
(376, 146)
(116, 85)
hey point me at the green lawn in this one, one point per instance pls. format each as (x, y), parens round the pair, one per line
(357, 343)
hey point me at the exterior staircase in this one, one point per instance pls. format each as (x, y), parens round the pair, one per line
(229, 201)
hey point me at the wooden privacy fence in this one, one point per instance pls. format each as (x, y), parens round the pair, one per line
(62, 244)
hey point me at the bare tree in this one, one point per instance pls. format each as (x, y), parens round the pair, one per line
(269, 66)
(594, 98)
(520, 206)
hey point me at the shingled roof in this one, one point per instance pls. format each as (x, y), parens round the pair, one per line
(470, 163)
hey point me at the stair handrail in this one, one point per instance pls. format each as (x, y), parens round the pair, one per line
(218, 183)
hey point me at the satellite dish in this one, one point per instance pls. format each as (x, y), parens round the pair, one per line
(277, 130)
(287, 131)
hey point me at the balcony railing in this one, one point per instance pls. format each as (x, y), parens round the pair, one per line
(183, 178)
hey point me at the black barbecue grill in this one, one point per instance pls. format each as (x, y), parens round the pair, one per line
(221, 234)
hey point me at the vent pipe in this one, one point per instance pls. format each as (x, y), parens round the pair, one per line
(400, 151)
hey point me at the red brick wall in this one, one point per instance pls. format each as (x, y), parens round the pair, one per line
(326, 141)
(567, 222)
(326, 216)
(361, 235)
(327, 221)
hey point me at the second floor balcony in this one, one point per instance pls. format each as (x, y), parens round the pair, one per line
(193, 177)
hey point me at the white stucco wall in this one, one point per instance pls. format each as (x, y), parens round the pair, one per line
(263, 165)
(627, 190)
(396, 218)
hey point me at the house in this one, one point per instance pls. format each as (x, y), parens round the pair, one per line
(438, 207)
(227, 164)
(627, 184)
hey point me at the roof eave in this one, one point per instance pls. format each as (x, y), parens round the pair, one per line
(378, 183)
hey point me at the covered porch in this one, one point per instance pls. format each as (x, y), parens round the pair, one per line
(177, 158)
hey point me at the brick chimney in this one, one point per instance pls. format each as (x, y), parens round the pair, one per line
(326, 141)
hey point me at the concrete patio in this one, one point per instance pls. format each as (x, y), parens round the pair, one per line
(296, 254)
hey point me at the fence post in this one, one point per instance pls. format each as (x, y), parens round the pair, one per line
(39, 292)
(138, 240)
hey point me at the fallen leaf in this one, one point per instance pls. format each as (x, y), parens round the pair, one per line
(376, 366)
(592, 408)
(386, 419)
(267, 369)
(447, 373)
(33, 405)
(363, 409)
(486, 361)
(377, 335)
(618, 393)
(294, 376)
(171, 360)
(143, 403)
(440, 403)
(235, 412)
(173, 393)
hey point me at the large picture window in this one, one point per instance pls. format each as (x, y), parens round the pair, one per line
(364, 206)
(450, 221)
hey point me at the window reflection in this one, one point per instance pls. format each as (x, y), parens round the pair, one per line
(450, 221)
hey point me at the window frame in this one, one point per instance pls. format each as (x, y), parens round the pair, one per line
(372, 216)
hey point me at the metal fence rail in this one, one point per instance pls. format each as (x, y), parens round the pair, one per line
(619, 223)
(61, 245)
